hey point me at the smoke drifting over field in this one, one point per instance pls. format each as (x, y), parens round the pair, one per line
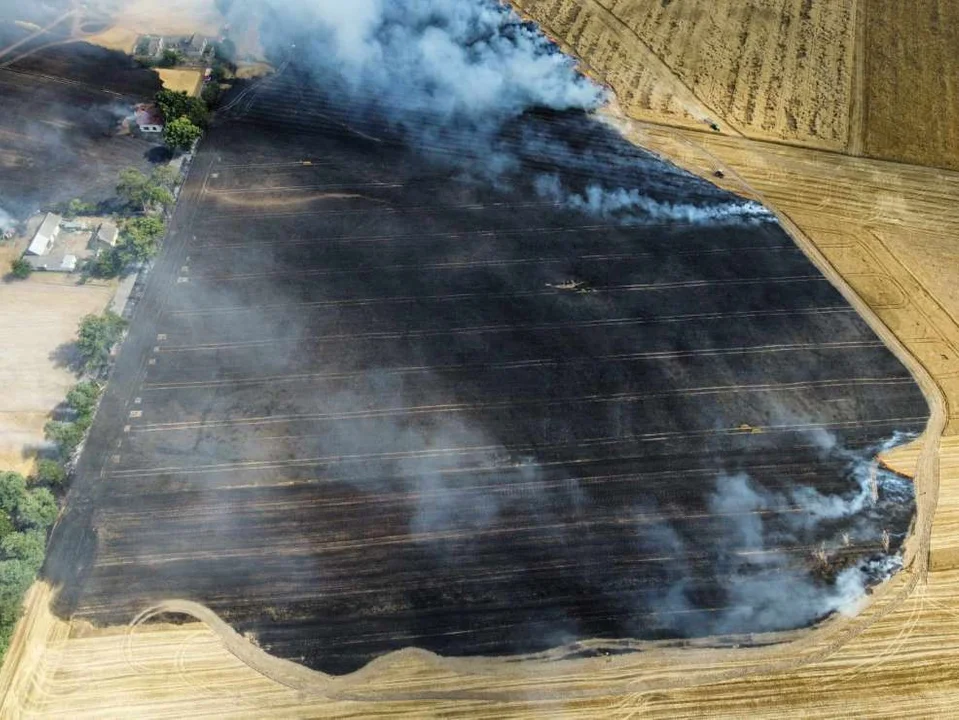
(458, 80)
(453, 78)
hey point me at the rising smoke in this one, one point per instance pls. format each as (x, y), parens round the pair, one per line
(454, 77)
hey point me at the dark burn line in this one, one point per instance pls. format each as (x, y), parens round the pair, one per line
(463, 264)
(454, 297)
(217, 218)
(603, 322)
(411, 238)
(538, 362)
(512, 488)
(587, 399)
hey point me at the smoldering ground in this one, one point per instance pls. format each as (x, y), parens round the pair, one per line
(403, 398)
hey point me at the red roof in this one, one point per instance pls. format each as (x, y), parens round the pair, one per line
(147, 114)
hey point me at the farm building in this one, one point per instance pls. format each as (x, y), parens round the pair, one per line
(45, 235)
(107, 234)
(148, 118)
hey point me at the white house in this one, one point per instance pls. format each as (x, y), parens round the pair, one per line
(148, 118)
(45, 235)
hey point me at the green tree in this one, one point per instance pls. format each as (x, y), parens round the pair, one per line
(141, 238)
(170, 58)
(13, 488)
(144, 192)
(164, 176)
(180, 134)
(20, 268)
(175, 104)
(83, 397)
(6, 524)
(67, 435)
(38, 509)
(50, 472)
(96, 336)
(15, 578)
(107, 264)
(27, 546)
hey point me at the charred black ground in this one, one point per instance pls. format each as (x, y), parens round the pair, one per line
(368, 404)
(61, 112)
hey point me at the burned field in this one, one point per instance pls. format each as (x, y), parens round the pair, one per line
(62, 109)
(367, 404)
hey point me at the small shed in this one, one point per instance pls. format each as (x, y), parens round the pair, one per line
(107, 234)
(45, 235)
(148, 118)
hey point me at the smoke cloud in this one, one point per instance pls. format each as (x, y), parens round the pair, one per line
(770, 590)
(459, 81)
(7, 221)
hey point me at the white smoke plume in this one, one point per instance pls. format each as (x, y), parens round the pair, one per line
(768, 589)
(453, 77)
(632, 206)
(7, 221)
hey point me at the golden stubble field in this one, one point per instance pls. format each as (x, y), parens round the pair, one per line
(883, 231)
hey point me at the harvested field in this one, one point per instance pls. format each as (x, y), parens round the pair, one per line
(911, 94)
(42, 313)
(777, 70)
(188, 81)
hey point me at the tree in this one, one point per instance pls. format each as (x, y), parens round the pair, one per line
(6, 524)
(13, 487)
(38, 509)
(21, 269)
(141, 238)
(164, 176)
(107, 264)
(83, 397)
(96, 336)
(170, 58)
(78, 207)
(144, 192)
(180, 134)
(176, 104)
(27, 546)
(66, 435)
(50, 472)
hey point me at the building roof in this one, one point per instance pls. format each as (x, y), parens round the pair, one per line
(108, 233)
(195, 43)
(46, 233)
(147, 114)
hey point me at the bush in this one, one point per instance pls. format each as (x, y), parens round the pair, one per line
(66, 435)
(96, 336)
(83, 398)
(50, 472)
(21, 269)
(146, 193)
(38, 509)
